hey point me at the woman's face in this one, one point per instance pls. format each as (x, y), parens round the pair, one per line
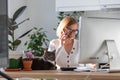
(71, 31)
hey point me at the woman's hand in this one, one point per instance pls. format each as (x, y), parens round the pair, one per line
(64, 35)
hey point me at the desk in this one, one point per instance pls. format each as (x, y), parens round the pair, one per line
(65, 75)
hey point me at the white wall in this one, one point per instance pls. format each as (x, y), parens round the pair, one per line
(41, 13)
(13, 5)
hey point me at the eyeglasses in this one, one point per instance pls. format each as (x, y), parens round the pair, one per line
(72, 31)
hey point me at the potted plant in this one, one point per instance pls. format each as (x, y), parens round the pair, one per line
(13, 25)
(15, 42)
(27, 62)
(37, 42)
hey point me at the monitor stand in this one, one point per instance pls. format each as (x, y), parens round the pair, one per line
(113, 56)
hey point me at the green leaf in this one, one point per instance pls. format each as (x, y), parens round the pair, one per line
(16, 42)
(19, 12)
(10, 47)
(11, 24)
(25, 33)
(37, 40)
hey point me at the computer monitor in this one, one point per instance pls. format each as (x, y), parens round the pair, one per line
(94, 32)
(3, 34)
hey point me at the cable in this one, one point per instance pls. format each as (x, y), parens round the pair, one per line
(5, 76)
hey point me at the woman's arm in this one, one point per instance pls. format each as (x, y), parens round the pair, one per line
(51, 46)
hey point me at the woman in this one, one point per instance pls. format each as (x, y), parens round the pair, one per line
(66, 45)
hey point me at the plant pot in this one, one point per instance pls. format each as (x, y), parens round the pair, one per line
(15, 63)
(15, 59)
(27, 64)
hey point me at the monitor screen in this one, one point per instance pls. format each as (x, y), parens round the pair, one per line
(3, 34)
(94, 32)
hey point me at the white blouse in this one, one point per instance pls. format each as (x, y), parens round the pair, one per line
(63, 59)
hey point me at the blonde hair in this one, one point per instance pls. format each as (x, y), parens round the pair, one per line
(67, 21)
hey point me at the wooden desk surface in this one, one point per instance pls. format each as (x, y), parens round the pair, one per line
(65, 74)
